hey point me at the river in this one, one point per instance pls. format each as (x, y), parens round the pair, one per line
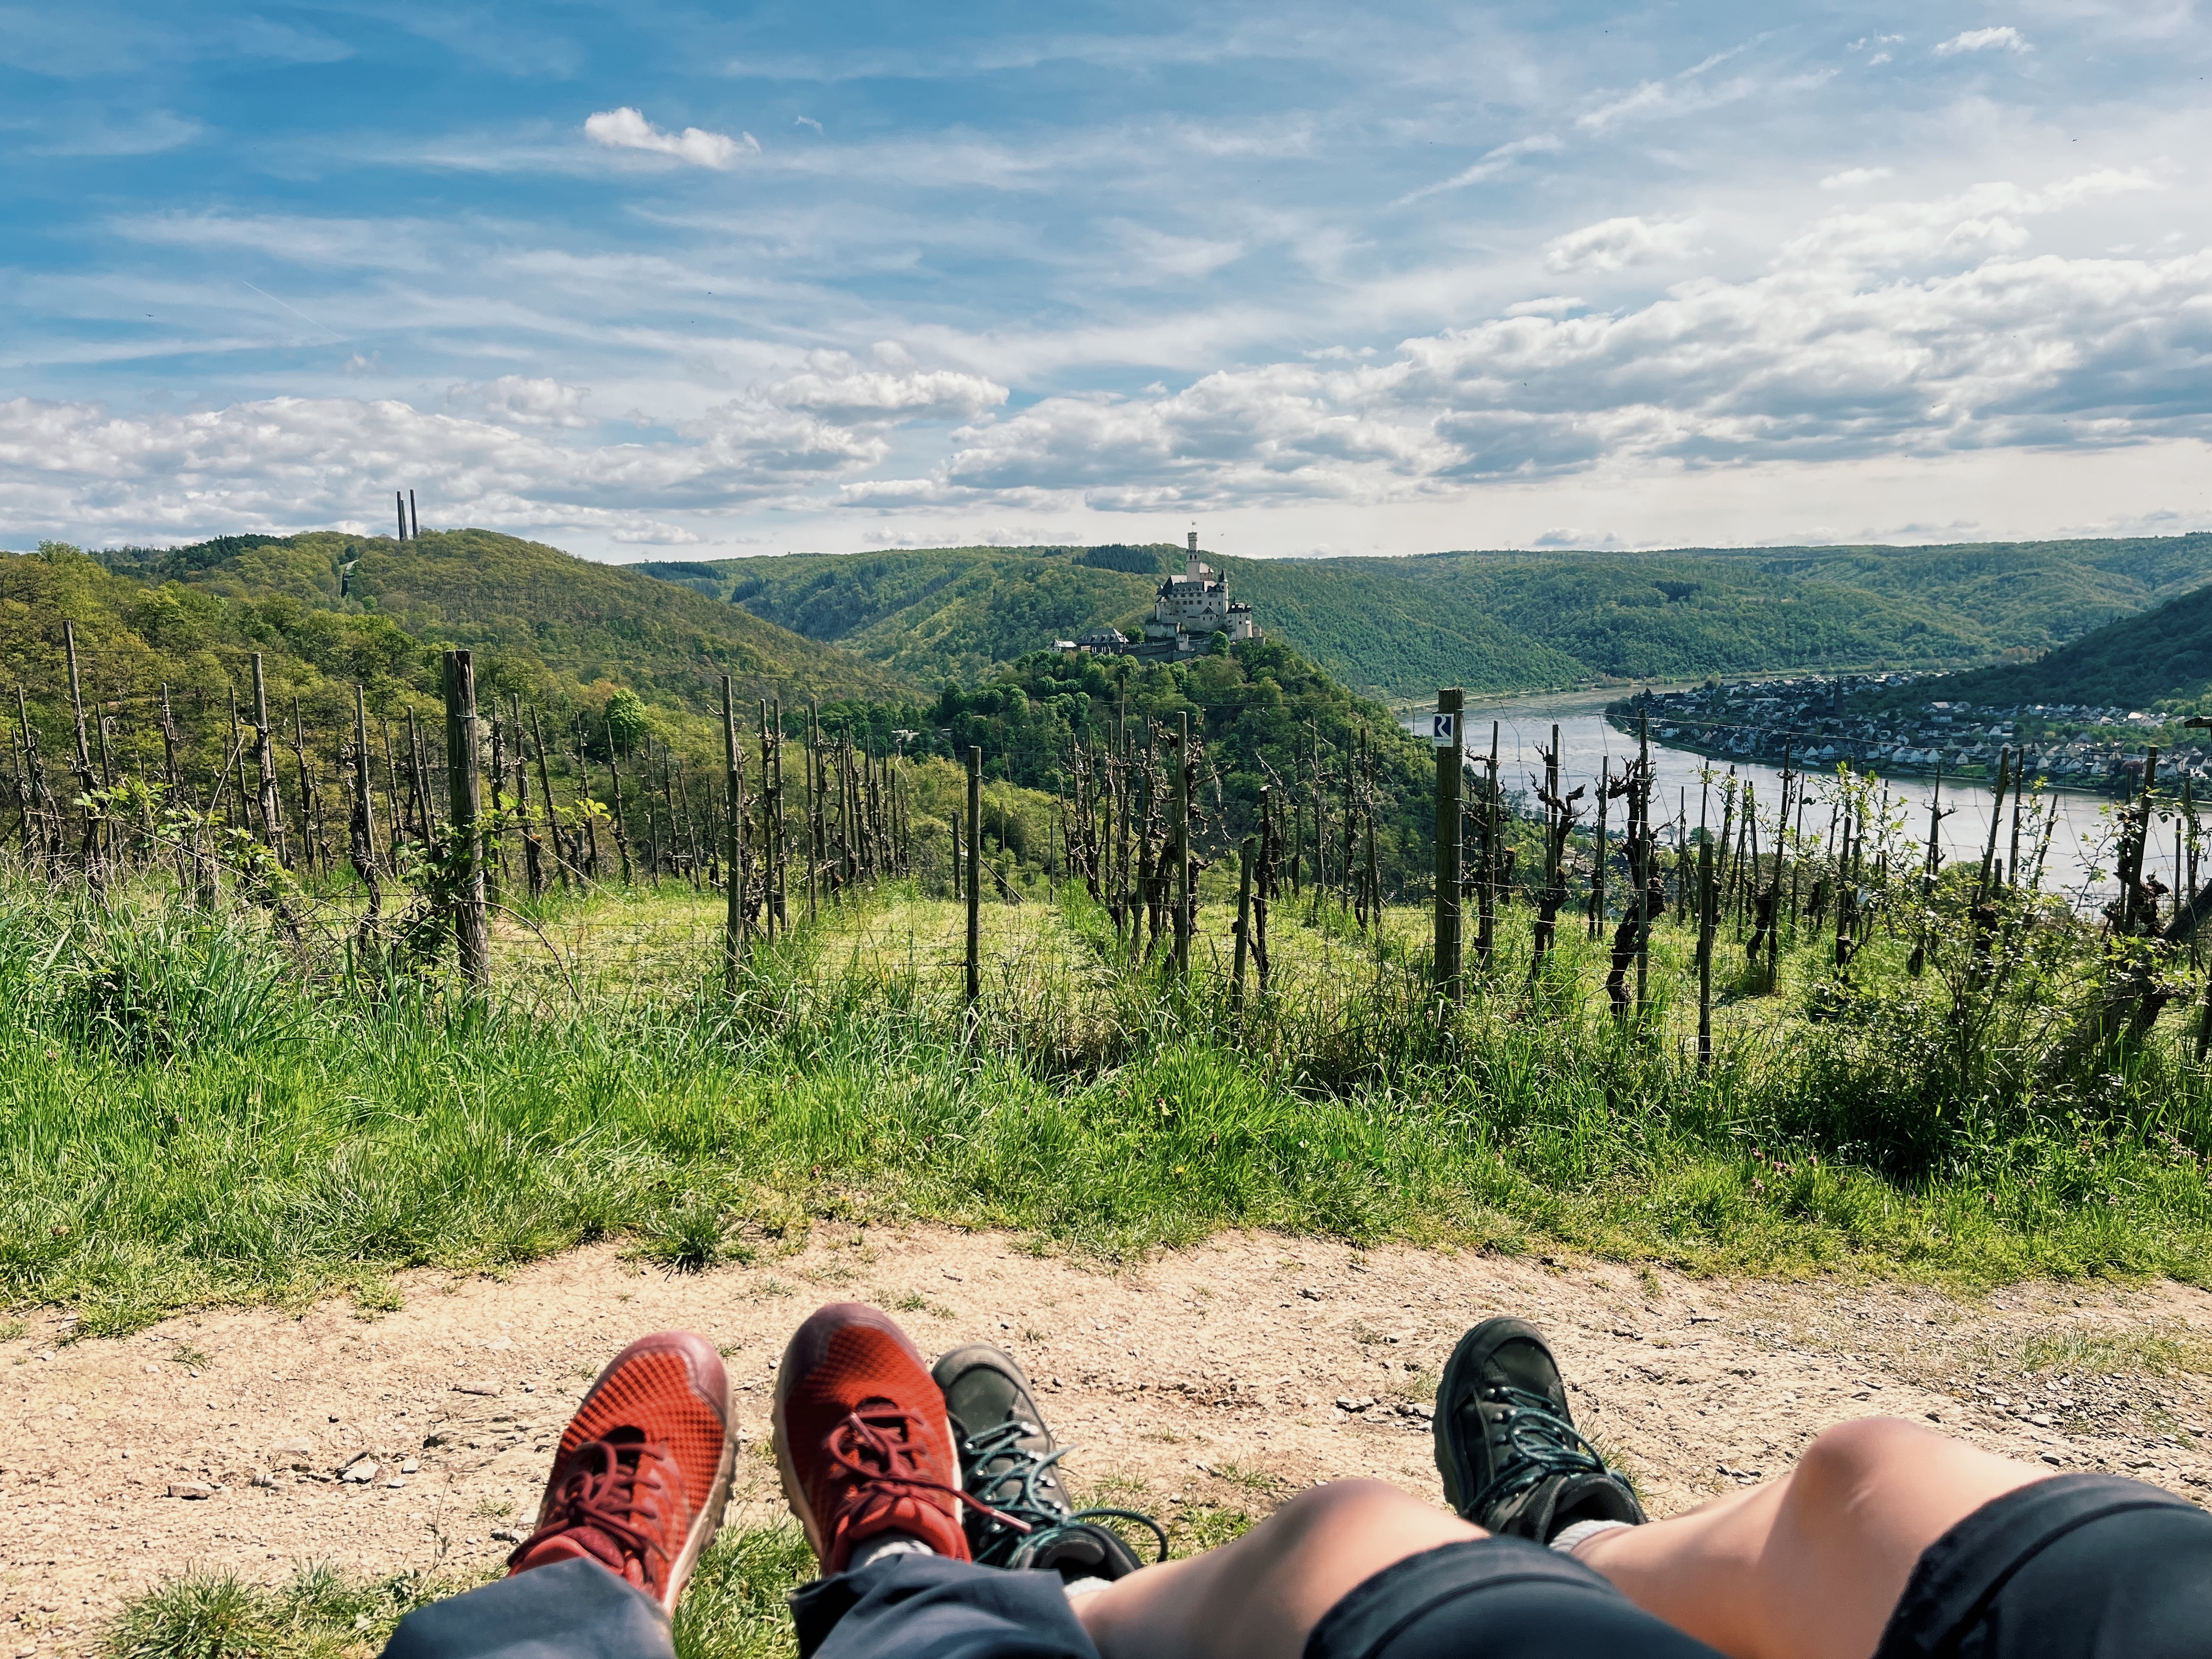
(2077, 865)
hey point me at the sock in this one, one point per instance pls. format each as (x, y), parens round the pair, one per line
(872, 1550)
(1081, 1587)
(1568, 1538)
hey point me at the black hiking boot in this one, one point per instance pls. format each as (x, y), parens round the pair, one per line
(1506, 1445)
(1008, 1460)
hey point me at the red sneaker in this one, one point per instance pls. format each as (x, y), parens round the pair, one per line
(861, 1437)
(643, 1471)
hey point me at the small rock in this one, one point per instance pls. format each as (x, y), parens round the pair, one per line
(1348, 1404)
(954, 1277)
(2052, 1457)
(482, 1390)
(395, 1485)
(292, 1455)
(530, 1387)
(1623, 1331)
(360, 1473)
(1309, 1293)
(191, 1489)
(506, 1535)
(410, 1465)
(2041, 1420)
(262, 1477)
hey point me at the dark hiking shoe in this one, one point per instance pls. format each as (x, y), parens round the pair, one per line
(1506, 1445)
(1009, 1462)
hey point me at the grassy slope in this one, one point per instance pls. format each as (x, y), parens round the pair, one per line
(2162, 657)
(1494, 621)
(270, 1135)
(549, 611)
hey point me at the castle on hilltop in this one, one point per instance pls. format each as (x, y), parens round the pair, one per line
(1187, 612)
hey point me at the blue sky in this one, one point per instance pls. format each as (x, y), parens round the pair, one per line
(660, 280)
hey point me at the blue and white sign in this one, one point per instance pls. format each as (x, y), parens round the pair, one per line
(1444, 733)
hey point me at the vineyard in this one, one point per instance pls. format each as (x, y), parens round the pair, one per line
(285, 1016)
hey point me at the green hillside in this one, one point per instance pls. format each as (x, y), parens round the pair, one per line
(1489, 620)
(544, 617)
(2160, 659)
(941, 613)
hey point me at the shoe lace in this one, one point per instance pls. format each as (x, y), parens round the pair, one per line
(601, 1494)
(1540, 1443)
(878, 1445)
(1003, 1481)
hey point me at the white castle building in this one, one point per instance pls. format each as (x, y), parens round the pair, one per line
(1187, 612)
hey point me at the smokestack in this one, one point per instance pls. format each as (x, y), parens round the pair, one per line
(400, 501)
(413, 517)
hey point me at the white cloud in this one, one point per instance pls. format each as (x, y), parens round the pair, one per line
(1613, 244)
(515, 400)
(2006, 38)
(1849, 178)
(836, 387)
(1889, 331)
(627, 129)
(1494, 164)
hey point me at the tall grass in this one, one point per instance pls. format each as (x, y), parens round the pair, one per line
(193, 1109)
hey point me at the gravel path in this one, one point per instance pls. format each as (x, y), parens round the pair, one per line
(1225, 1377)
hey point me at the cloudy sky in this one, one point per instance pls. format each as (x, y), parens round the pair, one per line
(655, 280)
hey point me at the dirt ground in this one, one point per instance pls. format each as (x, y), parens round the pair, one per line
(1228, 1377)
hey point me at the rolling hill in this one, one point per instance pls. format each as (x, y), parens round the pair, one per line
(2159, 660)
(1488, 621)
(542, 614)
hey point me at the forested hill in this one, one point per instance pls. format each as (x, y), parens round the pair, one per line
(562, 633)
(1489, 620)
(2159, 660)
(545, 615)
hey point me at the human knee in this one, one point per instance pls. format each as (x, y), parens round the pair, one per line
(1844, 1459)
(1363, 1507)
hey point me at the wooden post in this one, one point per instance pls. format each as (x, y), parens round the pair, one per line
(1486, 899)
(1181, 839)
(1996, 818)
(560, 853)
(1450, 704)
(614, 783)
(360, 840)
(471, 934)
(309, 805)
(265, 763)
(740, 916)
(1244, 856)
(975, 875)
(1707, 918)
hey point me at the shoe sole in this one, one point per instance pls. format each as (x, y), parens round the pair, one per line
(1454, 1464)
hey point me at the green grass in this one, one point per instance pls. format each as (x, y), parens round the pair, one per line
(255, 1124)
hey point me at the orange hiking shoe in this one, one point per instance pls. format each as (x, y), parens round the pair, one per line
(861, 1438)
(643, 1471)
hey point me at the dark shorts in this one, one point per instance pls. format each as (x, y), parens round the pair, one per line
(2076, 1567)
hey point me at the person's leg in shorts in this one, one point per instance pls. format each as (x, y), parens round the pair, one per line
(1886, 1538)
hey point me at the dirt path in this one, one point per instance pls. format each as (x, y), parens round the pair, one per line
(1226, 1376)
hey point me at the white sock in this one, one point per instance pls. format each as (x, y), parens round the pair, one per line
(1567, 1540)
(890, 1543)
(1081, 1587)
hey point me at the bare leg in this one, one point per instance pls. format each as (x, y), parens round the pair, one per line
(1810, 1565)
(1261, 1597)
